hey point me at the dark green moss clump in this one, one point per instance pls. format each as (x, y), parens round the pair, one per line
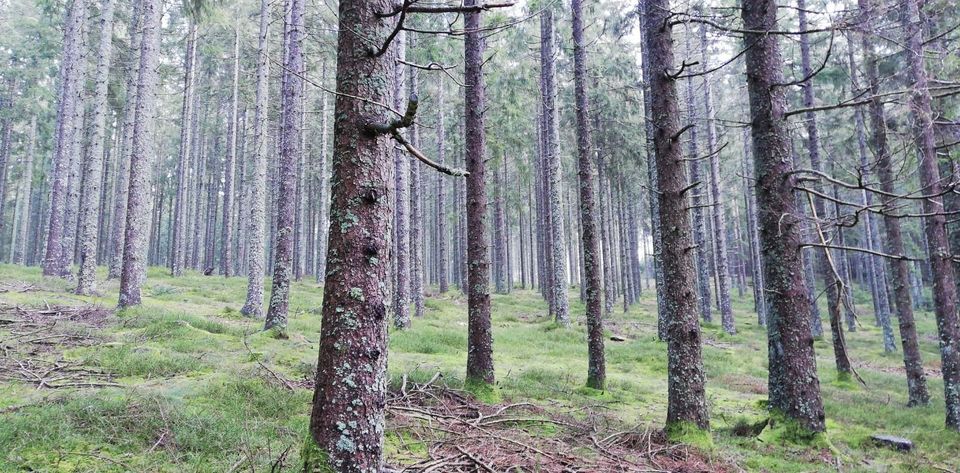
(485, 392)
(315, 459)
(690, 434)
(782, 430)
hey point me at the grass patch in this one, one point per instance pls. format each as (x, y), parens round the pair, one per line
(190, 379)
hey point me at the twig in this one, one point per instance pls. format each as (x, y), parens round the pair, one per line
(476, 460)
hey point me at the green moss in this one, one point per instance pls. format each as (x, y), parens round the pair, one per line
(846, 382)
(188, 373)
(315, 458)
(144, 361)
(744, 427)
(689, 433)
(782, 430)
(278, 332)
(485, 392)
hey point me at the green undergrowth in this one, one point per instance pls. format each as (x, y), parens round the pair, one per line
(690, 434)
(197, 393)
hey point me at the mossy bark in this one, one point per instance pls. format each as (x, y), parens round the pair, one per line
(291, 151)
(257, 200)
(347, 422)
(596, 370)
(793, 383)
(55, 262)
(943, 270)
(551, 151)
(93, 163)
(480, 334)
(686, 379)
(133, 270)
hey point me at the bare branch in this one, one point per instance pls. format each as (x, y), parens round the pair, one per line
(425, 160)
(406, 120)
(818, 70)
(445, 9)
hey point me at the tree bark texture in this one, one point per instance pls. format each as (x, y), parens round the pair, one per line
(686, 381)
(794, 388)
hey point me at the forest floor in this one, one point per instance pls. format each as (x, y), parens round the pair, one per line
(185, 383)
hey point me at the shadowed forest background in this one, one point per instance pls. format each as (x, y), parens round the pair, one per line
(544, 235)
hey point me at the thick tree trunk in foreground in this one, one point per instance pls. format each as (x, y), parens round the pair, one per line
(596, 370)
(944, 272)
(93, 165)
(480, 334)
(257, 205)
(134, 269)
(794, 386)
(347, 425)
(55, 262)
(290, 152)
(687, 405)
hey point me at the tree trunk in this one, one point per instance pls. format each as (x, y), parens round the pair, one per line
(186, 117)
(122, 185)
(826, 267)
(6, 132)
(899, 269)
(442, 263)
(20, 249)
(499, 236)
(55, 262)
(686, 399)
(551, 150)
(942, 267)
(606, 242)
(652, 180)
(719, 221)
(793, 384)
(753, 228)
(226, 235)
(596, 366)
(698, 202)
(347, 424)
(324, 187)
(134, 268)
(257, 206)
(416, 211)
(480, 334)
(401, 290)
(93, 165)
(213, 205)
(75, 176)
(290, 152)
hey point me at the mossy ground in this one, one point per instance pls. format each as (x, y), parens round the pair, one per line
(196, 399)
